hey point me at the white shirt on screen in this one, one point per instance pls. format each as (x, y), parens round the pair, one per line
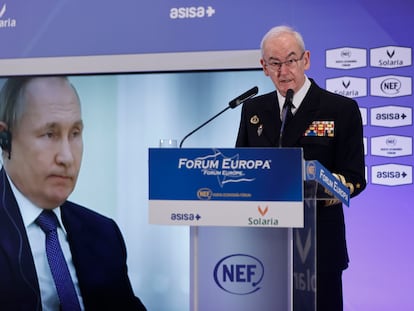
(29, 212)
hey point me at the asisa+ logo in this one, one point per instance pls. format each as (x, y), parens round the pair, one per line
(239, 274)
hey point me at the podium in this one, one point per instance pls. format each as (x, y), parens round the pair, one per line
(252, 219)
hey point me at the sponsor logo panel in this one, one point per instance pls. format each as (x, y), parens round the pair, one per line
(392, 174)
(392, 146)
(391, 116)
(365, 140)
(391, 57)
(364, 115)
(391, 86)
(348, 86)
(346, 58)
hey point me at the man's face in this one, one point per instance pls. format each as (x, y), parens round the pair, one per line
(47, 143)
(291, 74)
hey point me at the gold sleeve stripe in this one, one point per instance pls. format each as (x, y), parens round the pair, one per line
(344, 182)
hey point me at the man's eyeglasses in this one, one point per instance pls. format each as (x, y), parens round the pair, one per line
(290, 63)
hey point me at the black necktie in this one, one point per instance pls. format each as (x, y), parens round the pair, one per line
(289, 115)
(68, 298)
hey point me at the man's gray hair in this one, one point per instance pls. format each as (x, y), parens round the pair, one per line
(279, 30)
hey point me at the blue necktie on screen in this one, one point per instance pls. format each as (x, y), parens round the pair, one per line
(47, 221)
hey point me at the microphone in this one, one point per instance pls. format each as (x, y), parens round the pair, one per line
(243, 97)
(232, 104)
(287, 105)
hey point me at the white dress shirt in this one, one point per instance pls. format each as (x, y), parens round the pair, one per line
(29, 212)
(297, 98)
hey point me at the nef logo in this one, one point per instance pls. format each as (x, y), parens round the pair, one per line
(204, 194)
(391, 86)
(346, 53)
(239, 274)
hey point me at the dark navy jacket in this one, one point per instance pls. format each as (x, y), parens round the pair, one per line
(98, 251)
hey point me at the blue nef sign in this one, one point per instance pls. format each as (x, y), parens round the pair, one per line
(239, 274)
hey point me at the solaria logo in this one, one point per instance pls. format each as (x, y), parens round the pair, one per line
(4, 21)
(3, 10)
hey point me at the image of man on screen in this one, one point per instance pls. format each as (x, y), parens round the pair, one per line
(54, 254)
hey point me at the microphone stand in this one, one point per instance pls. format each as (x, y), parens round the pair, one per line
(232, 104)
(205, 123)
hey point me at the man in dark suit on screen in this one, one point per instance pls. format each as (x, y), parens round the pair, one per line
(329, 129)
(54, 254)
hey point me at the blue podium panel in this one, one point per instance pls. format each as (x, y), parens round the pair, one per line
(252, 187)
